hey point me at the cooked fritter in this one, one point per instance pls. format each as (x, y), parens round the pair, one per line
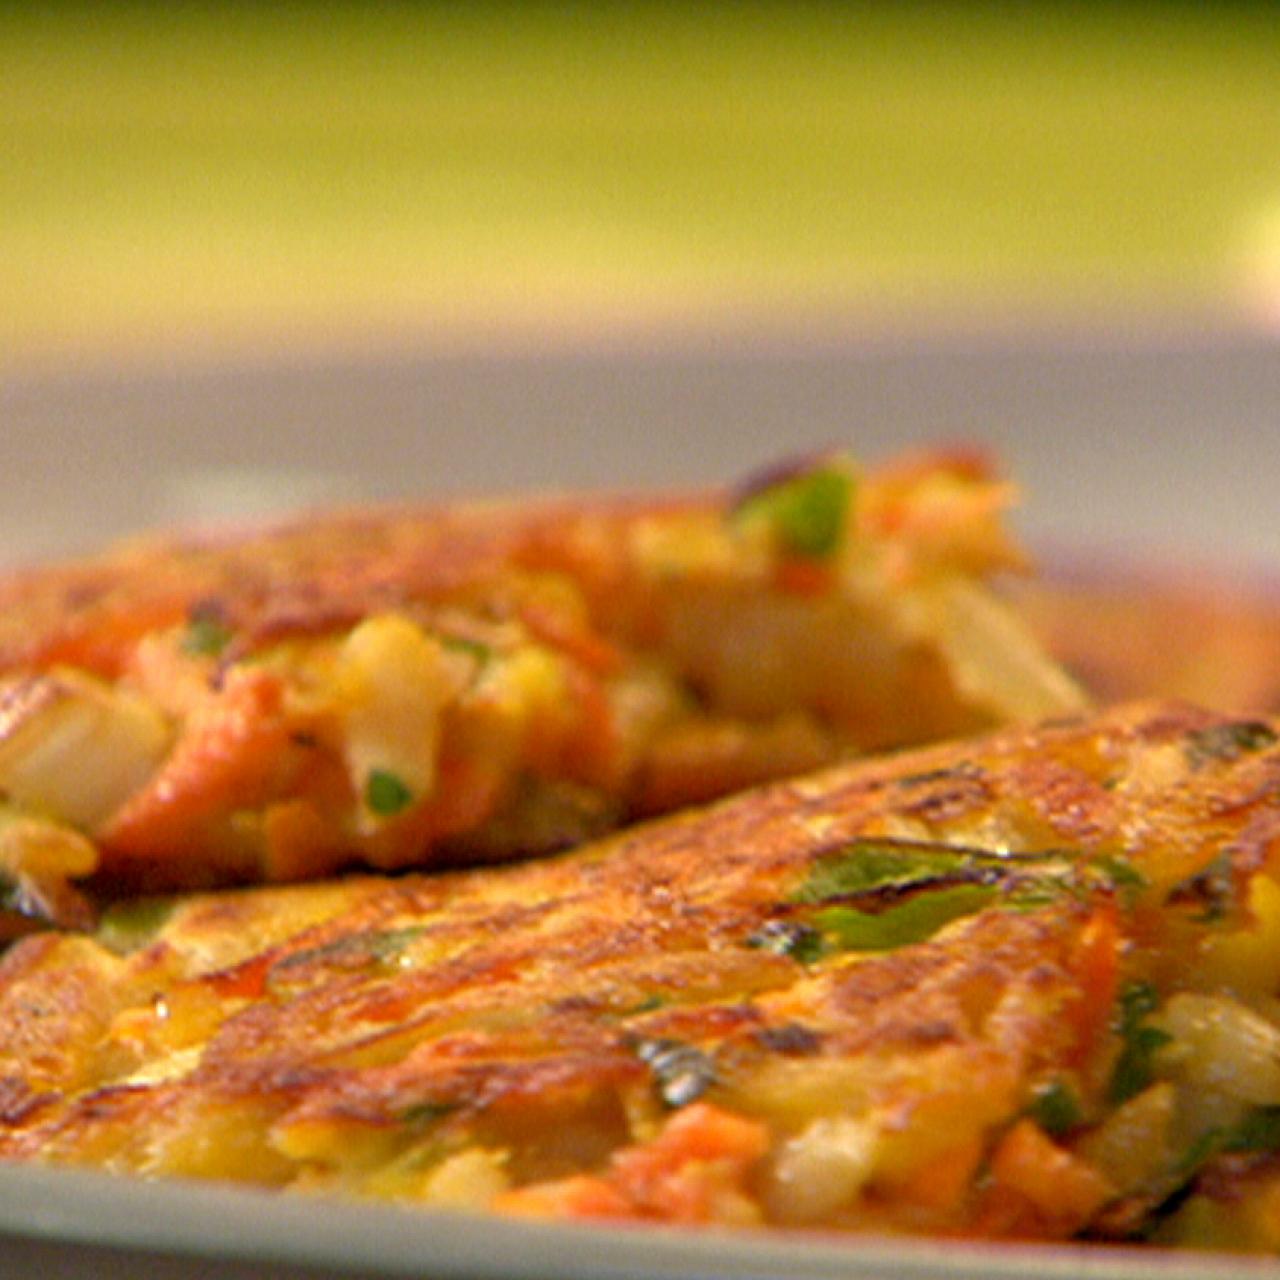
(1135, 630)
(465, 684)
(1023, 986)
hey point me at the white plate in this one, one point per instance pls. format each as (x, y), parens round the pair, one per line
(1167, 445)
(74, 1223)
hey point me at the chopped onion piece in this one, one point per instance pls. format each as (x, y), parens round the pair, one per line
(392, 684)
(74, 747)
(994, 660)
(1221, 1044)
(822, 1168)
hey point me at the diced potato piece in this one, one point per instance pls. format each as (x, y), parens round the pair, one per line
(1221, 1045)
(75, 747)
(1247, 960)
(393, 681)
(469, 1180)
(1132, 1145)
(822, 1168)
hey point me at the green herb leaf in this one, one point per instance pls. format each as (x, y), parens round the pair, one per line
(872, 866)
(648, 1005)
(133, 924)
(421, 1115)
(385, 794)
(1123, 873)
(1137, 1000)
(891, 892)
(867, 865)
(206, 636)
(915, 920)
(1055, 1107)
(11, 895)
(354, 950)
(1258, 1131)
(1124, 877)
(1133, 1070)
(463, 644)
(1227, 742)
(808, 512)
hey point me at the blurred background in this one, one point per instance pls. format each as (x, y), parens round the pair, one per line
(254, 256)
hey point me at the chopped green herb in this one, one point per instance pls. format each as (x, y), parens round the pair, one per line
(133, 924)
(385, 794)
(1133, 1071)
(206, 636)
(808, 511)
(867, 865)
(385, 943)
(464, 644)
(892, 892)
(1137, 1000)
(1209, 1144)
(648, 1005)
(1228, 741)
(1055, 1107)
(11, 895)
(424, 1114)
(355, 949)
(914, 920)
(800, 942)
(1125, 878)
(1258, 1131)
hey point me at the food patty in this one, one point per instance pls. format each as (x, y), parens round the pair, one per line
(466, 684)
(1019, 987)
(1206, 634)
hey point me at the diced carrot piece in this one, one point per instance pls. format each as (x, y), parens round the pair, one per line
(942, 1182)
(575, 737)
(694, 1171)
(801, 577)
(572, 636)
(703, 1153)
(300, 843)
(228, 759)
(104, 640)
(1039, 1188)
(578, 1197)
(1095, 962)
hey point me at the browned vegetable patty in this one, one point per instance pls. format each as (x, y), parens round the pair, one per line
(1023, 986)
(1205, 634)
(465, 684)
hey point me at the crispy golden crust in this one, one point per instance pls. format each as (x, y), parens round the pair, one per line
(312, 575)
(841, 1001)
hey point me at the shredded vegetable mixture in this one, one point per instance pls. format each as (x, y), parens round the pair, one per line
(1021, 987)
(470, 684)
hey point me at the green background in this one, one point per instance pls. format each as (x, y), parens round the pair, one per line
(231, 178)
